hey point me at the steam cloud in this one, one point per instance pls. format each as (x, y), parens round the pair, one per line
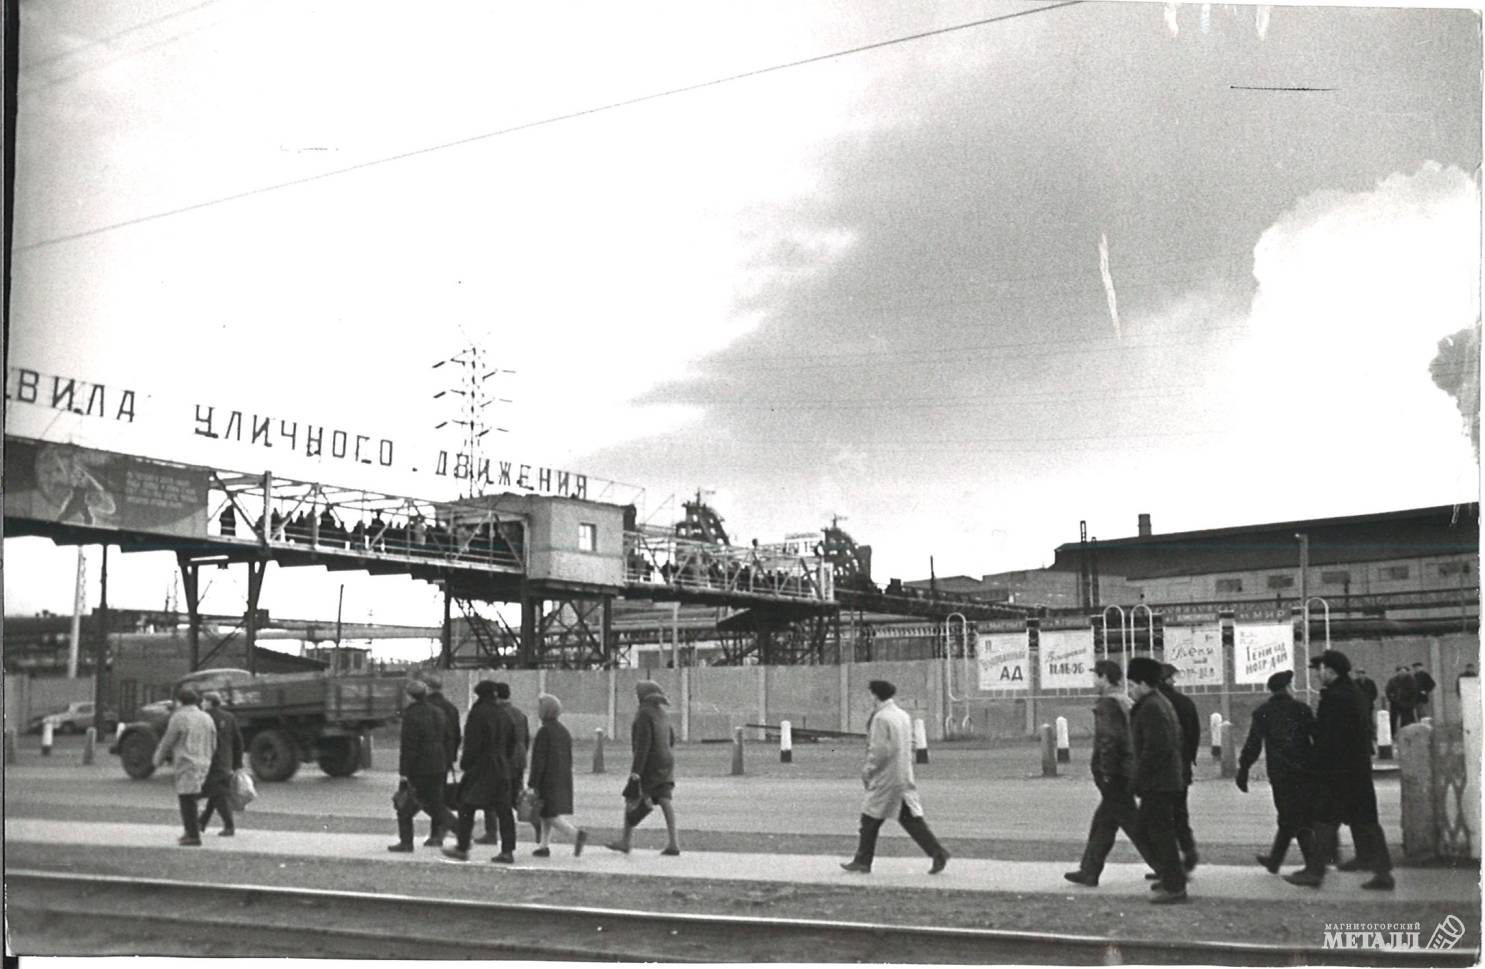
(1456, 371)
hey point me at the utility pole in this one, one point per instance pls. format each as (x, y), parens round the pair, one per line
(101, 657)
(1304, 601)
(79, 600)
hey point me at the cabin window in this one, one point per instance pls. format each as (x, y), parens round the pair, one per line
(1281, 582)
(1342, 577)
(1454, 568)
(1395, 573)
(1229, 585)
(587, 537)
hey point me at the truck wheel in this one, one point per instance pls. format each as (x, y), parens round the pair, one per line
(273, 756)
(340, 756)
(137, 752)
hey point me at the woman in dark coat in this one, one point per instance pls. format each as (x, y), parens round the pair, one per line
(551, 777)
(653, 770)
(488, 755)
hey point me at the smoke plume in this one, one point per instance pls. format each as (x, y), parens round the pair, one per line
(1456, 370)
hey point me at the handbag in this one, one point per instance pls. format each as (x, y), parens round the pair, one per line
(637, 807)
(404, 800)
(241, 791)
(528, 806)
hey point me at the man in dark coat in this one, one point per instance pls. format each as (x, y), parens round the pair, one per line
(228, 758)
(1344, 791)
(1112, 763)
(1368, 689)
(1425, 686)
(1280, 730)
(451, 734)
(1190, 722)
(1402, 698)
(520, 729)
(488, 762)
(1158, 780)
(652, 773)
(422, 767)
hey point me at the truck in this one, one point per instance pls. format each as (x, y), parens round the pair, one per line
(286, 719)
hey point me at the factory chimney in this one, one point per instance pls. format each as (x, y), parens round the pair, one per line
(1144, 524)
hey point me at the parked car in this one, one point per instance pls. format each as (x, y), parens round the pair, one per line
(75, 719)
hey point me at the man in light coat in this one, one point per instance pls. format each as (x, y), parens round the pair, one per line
(190, 743)
(890, 789)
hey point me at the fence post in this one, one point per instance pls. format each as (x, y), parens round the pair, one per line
(786, 742)
(1229, 751)
(1064, 745)
(1416, 766)
(1049, 751)
(737, 751)
(598, 767)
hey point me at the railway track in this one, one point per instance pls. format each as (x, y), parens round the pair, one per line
(63, 913)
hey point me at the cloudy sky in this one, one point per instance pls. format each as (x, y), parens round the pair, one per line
(964, 290)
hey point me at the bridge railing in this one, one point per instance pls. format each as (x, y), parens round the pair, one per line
(656, 557)
(287, 513)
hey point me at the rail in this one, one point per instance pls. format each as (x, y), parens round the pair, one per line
(142, 914)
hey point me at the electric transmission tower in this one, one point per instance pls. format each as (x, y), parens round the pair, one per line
(471, 387)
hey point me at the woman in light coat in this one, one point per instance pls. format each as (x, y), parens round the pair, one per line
(190, 743)
(888, 778)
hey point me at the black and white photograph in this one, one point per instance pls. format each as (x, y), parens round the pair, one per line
(982, 482)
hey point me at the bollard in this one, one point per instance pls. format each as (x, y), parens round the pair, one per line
(737, 751)
(598, 735)
(1216, 733)
(89, 738)
(46, 739)
(1229, 751)
(365, 739)
(1384, 735)
(1416, 773)
(1064, 746)
(11, 750)
(920, 742)
(786, 742)
(1049, 751)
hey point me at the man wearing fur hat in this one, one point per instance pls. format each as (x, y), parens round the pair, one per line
(422, 765)
(652, 773)
(1344, 791)
(1281, 730)
(488, 761)
(1155, 735)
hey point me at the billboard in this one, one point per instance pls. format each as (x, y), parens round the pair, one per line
(1260, 650)
(100, 489)
(1003, 660)
(1196, 651)
(1066, 659)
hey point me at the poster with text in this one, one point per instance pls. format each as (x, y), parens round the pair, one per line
(101, 489)
(1260, 650)
(1004, 659)
(1196, 651)
(1066, 659)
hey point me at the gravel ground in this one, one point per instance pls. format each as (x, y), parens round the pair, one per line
(1279, 922)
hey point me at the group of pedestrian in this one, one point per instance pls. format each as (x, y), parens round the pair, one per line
(1407, 693)
(491, 754)
(205, 749)
(1143, 754)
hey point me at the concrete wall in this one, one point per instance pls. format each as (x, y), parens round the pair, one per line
(29, 696)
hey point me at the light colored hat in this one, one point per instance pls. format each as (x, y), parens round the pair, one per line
(416, 688)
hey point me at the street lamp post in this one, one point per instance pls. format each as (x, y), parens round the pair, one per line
(1304, 599)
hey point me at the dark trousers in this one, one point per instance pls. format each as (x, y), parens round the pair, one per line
(916, 827)
(1115, 812)
(188, 815)
(217, 801)
(505, 819)
(1185, 840)
(1401, 717)
(1292, 800)
(494, 820)
(1371, 846)
(1157, 829)
(428, 798)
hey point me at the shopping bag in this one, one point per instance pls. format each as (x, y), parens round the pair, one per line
(404, 800)
(528, 806)
(636, 806)
(242, 790)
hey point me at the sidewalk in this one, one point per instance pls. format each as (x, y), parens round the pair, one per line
(969, 874)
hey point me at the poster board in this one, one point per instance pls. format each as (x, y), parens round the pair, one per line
(1260, 650)
(1065, 659)
(1004, 660)
(1196, 651)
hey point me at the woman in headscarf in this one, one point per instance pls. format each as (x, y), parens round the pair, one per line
(652, 775)
(551, 777)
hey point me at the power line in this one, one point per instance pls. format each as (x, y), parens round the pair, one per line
(529, 125)
(32, 65)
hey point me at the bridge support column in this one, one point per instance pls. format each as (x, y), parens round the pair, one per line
(446, 660)
(530, 616)
(190, 580)
(256, 570)
(607, 645)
